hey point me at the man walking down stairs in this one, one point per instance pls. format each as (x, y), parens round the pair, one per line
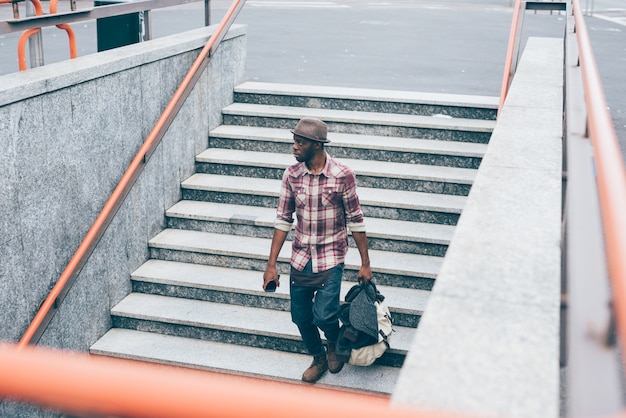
(322, 193)
(199, 302)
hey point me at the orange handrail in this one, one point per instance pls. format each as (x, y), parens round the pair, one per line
(508, 62)
(112, 205)
(611, 174)
(91, 385)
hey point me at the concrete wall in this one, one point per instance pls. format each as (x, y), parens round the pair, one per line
(488, 343)
(67, 133)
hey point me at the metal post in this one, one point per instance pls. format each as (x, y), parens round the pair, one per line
(207, 12)
(147, 25)
(35, 42)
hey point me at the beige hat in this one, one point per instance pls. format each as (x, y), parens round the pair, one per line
(313, 129)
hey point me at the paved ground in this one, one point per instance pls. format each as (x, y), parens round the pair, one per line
(449, 46)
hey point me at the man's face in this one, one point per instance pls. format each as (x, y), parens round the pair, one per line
(303, 149)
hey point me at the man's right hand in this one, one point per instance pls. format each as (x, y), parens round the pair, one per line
(270, 275)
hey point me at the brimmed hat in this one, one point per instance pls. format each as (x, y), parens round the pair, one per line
(313, 129)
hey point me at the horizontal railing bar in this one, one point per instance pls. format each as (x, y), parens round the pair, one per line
(86, 385)
(32, 22)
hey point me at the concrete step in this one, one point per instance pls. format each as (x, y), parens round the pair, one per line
(368, 123)
(355, 146)
(376, 174)
(243, 287)
(233, 324)
(376, 203)
(256, 221)
(237, 359)
(370, 100)
(390, 268)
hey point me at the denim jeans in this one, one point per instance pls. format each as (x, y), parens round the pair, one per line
(313, 308)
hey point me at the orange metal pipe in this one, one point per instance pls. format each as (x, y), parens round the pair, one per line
(508, 62)
(119, 189)
(71, 38)
(67, 28)
(21, 48)
(89, 385)
(21, 43)
(611, 174)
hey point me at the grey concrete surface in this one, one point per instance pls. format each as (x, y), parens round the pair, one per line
(448, 46)
(488, 342)
(68, 138)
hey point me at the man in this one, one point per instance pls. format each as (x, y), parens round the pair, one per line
(322, 193)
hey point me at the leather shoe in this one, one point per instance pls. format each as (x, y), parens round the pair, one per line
(334, 364)
(317, 368)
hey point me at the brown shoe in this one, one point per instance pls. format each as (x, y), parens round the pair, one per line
(334, 364)
(317, 368)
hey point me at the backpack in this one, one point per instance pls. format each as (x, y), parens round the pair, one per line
(366, 325)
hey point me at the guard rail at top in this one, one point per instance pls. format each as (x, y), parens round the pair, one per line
(33, 24)
(52, 303)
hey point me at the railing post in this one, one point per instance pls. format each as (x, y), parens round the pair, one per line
(35, 42)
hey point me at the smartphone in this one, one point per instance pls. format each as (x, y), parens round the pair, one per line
(271, 286)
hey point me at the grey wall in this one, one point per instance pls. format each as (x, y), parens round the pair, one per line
(67, 133)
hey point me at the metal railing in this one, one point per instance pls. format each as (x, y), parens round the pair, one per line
(51, 304)
(32, 25)
(595, 234)
(80, 384)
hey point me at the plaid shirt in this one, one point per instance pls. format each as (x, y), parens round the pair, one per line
(326, 204)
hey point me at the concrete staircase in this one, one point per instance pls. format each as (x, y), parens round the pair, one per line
(198, 301)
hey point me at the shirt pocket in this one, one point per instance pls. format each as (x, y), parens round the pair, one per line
(330, 196)
(300, 197)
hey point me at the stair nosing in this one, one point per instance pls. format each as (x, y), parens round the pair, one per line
(381, 169)
(265, 217)
(140, 305)
(452, 204)
(445, 99)
(355, 141)
(366, 118)
(179, 240)
(156, 348)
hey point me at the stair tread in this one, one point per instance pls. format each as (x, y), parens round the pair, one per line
(367, 196)
(415, 265)
(352, 116)
(261, 216)
(179, 351)
(489, 102)
(249, 282)
(386, 143)
(361, 167)
(235, 318)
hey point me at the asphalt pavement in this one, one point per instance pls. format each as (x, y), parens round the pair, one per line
(450, 46)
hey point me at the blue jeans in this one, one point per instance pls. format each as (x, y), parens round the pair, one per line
(313, 308)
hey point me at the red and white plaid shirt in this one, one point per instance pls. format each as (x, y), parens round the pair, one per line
(326, 204)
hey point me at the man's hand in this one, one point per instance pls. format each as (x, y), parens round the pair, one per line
(270, 275)
(365, 273)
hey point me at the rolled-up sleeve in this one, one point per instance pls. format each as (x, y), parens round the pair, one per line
(286, 206)
(351, 204)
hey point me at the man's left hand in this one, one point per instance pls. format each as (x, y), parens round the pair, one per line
(365, 273)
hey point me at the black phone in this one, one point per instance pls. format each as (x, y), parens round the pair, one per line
(271, 286)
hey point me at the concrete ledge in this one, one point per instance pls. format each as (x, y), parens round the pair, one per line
(488, 343)
(41, 80)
